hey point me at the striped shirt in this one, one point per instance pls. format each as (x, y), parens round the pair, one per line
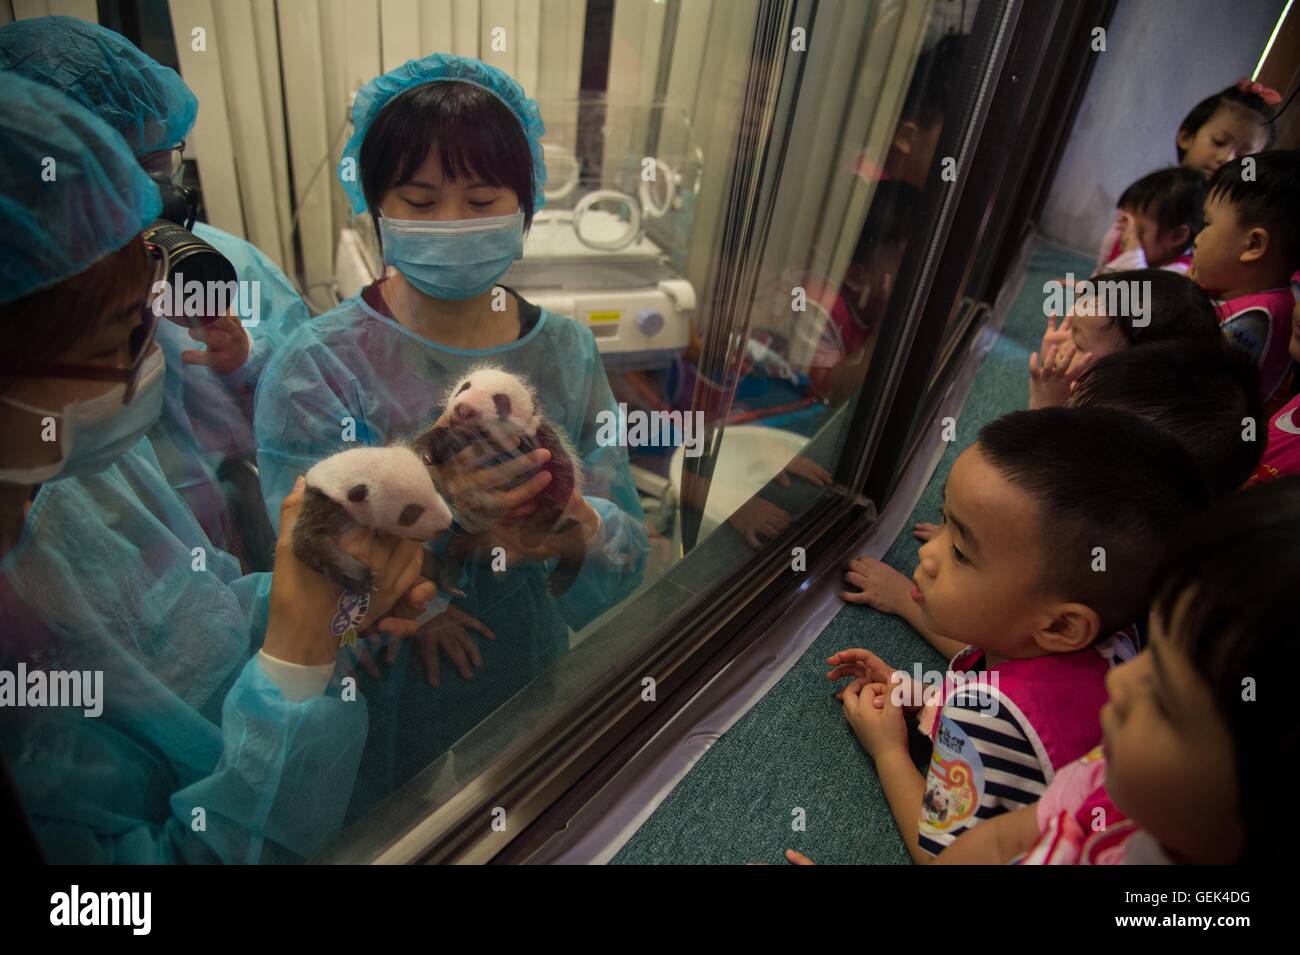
(1002, 731)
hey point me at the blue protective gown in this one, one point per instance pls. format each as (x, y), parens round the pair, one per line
(208, 417)
(354, 368)
(114, 573)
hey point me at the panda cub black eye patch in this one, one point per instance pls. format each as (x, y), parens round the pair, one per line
(410, 514)
(462, 388)
(357, 493)
(502, 403)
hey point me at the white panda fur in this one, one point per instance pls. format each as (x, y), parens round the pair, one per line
(378, 486)
(386, 489)
(472, 400)
(490, 402)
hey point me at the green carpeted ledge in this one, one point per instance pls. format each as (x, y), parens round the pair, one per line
(793, 749)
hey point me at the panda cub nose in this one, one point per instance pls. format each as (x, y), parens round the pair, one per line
(464, 412)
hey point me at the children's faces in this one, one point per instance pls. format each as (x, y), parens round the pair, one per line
(1169, 756)
(1092, 331)
(1223, 247)
(1159, 246)
(1229, 133)
(979, 577)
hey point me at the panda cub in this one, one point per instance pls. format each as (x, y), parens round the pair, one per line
(488, 408)
(387, 489)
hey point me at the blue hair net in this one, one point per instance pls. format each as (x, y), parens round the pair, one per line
(374, 96)
(70, 190)
(146, 102)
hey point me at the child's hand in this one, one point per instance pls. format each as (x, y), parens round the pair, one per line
(879, 585)
(924, 530)
(449, 634)
(863, 664)
(877, 721)
(797, 858)
(227, 345)
(1130, 236)
(858, 663)
(1055, 335)
(1052, 381)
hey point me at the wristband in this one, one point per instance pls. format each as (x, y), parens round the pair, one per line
(350, 612)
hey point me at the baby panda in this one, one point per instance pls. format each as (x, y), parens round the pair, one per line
(387, 489)
(488, 408)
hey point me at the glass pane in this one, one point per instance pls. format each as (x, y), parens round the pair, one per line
(733, 194)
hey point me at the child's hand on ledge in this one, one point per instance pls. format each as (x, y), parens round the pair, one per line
(879, 585)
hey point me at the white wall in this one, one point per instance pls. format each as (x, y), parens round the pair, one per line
(1162, 57)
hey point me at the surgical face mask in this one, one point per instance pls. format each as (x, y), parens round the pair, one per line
(96, 432)
(455, 260)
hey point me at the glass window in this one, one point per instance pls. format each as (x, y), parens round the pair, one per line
(738, 206)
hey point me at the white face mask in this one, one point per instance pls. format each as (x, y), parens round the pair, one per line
(96, 432)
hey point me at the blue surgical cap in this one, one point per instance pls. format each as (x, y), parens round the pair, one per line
(374, 96)
(71, 192)
(146, 102)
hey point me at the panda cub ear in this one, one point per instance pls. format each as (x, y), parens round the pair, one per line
(358, 493)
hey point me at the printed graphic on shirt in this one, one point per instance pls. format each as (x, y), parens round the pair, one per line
(985, 762)
(956, 780)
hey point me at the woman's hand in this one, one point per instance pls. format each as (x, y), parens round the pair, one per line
(472, 487)
(227, 345)
(924, 530)
(303, 603)
(507, 535)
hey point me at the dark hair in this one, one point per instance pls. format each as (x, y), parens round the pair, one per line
(1270, 200)
(891, 214)
(1198, 393)
(1102, 478)
(45, 324)
(938, 87)
(475, 134)
(1239, 567)
(1178, 310)
(1231, 96)
(1173, 197)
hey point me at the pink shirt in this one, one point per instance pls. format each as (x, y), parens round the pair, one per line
(1282, 452)
(1079, 825)
(1001, 733)
(1260, 323)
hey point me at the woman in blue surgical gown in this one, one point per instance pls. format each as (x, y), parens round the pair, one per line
(207, 409)
(446, 157)
(156, 706)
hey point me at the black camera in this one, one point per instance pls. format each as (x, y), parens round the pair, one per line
(190, 258)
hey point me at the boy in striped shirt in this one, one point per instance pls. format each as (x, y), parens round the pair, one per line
(1054, 521)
